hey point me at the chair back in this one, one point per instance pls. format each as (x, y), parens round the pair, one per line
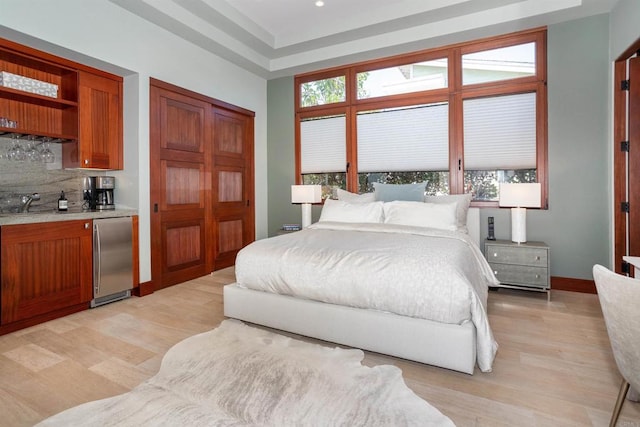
(620, 301)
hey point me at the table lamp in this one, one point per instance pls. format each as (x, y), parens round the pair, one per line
(306, 195)
(519, 197)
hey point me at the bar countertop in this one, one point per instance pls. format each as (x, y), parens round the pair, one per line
(52, 215)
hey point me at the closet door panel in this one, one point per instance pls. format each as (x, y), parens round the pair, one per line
(232, 184)
(180, 153)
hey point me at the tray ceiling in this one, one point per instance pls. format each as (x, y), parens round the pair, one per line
(274, 38)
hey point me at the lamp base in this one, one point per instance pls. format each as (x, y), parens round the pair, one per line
(306, 215)
(519, 225)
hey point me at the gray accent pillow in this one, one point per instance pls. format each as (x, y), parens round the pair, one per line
(406, 192)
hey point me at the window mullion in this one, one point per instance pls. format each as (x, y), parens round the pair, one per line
(456, 151)
(352, 150)
(456, 145)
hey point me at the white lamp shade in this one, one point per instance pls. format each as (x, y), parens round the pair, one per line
(520, 195)
(306, 193)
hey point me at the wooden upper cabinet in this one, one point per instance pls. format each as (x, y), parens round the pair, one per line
(85, 115)
(100, 137)
(54, 117)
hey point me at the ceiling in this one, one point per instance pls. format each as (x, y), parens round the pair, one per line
(275, 38)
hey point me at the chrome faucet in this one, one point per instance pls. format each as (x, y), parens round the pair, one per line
(27, 200)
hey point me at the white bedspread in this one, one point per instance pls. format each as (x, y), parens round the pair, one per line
(411, 271)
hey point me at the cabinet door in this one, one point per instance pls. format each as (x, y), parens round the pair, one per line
(100, 122)
(45, 267)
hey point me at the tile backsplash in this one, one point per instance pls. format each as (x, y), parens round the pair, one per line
(47, 179)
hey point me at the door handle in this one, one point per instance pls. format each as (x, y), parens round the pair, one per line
(96, 259)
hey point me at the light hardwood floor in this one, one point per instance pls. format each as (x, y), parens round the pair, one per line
(554, 366)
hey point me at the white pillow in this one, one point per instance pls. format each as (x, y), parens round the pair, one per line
(463, 201)
(347, 196)
(337, 210)
(419, 214)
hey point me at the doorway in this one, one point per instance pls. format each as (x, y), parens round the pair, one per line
(626, 157)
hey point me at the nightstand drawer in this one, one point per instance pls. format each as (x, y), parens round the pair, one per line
(521, 275)
(535, 257)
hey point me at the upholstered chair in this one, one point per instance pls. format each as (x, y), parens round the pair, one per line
(620, 299)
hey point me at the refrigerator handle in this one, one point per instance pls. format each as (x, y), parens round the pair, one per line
(96, 259)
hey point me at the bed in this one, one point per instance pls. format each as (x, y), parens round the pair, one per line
(351, 294)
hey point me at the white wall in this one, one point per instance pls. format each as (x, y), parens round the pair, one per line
(624, 26)
(104, 35)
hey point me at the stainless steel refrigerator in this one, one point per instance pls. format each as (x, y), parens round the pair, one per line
(112, 260)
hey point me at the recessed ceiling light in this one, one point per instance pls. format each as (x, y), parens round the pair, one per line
(319, 3)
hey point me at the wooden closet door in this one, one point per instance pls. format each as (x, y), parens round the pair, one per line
(180, 158)
(232, 184)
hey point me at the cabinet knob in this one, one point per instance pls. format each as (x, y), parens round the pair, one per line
(537, 276)
(86, 225)
(538, 258)
(86, 161)
(495, 272)
(495, 254)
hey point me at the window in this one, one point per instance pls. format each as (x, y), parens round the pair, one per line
(321, 92)
(499, 143)
(499, 64)
(413, 118)
(406, 143)
(323, 156)
(408, 78)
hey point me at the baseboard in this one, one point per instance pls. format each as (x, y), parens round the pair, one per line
(557, 283)
(143, 289)
(25, 323)
(573, 285)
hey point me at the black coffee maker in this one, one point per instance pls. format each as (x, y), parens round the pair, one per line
(98, 193)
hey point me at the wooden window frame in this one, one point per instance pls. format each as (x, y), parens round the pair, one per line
(454, 94)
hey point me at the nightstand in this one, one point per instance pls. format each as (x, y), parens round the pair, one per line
(282, 231)
(520, 265)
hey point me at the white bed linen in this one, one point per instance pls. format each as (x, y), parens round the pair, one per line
(410, 271)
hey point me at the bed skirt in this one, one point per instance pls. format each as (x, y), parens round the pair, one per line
(440, 344)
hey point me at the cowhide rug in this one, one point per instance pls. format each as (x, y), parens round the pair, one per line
(236, 375)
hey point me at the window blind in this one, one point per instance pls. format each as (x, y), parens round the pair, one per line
(323, 143)
(404, 139)
(500, 132)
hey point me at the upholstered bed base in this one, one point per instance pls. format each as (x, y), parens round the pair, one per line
(439, 344)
